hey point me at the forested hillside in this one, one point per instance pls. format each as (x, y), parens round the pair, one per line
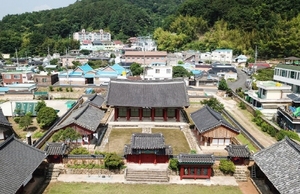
(272, 25)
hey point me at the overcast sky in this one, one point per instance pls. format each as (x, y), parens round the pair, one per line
(22, 6)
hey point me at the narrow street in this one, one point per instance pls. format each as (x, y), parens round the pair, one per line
(232, 107)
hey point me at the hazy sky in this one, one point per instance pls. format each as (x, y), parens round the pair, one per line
(22, 6)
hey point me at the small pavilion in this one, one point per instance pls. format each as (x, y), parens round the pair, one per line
(238, 154)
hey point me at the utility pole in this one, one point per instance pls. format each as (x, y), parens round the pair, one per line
(255, 59)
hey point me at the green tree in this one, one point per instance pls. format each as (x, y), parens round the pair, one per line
(41, 104)
(227, 166)
(214, 104)
(80, 151)
(173, 164)
(66, 134)
(25, 121)
(179, 71)
(136, 69)
(223, 85)
(46, 117)
(113, 161)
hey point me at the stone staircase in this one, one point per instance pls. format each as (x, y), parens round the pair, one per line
(146, 175)
(54, 170)
(241, 173)
(191, 139)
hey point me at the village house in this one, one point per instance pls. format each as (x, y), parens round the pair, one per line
(145, 57)
(147, 100)
(16, 77)
(211, 129)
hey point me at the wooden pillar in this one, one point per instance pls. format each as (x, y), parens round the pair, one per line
(140, 158)
(177, 114)
(128, 114)
(116, 113)
(155, 159)
(165, 114)
(209, 172)
(140, 114)
(181, 172)
(152, 114)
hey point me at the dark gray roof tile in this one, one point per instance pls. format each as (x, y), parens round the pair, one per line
(3, 119)
(196, 159)
(206, 119)
(97, 100)
(238, 151)
(147, 141)
(55, 148)
(86, 116)
(17, 163)
(144, 93)
(281, 165)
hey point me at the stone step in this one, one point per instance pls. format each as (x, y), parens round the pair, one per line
(147, 175)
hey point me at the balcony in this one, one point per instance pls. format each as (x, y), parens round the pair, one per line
(287, 112)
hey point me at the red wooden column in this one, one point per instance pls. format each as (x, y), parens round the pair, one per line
(177, 114)
(128, 114)
(165, 114)
(181, 172)
(140, 114)
(155, 159)
(116, 113)
(140, 158)
(152, 114)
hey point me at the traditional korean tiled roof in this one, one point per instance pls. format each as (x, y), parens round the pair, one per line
(294, 97)
(147, 141)
(238, 151)
(3, 120)
(281, 165)
(55, 148)
(146, 93)
(196, 159)
(17, 163)
(87, 116)
(206, 119)
(96, 100)
(167, 150)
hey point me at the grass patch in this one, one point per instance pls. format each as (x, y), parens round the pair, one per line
(174, 138)
(87, 188)
(118, 138)
(195, 102)
(245, 141)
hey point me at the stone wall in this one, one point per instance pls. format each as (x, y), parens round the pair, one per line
(93, 171)
(16, 97)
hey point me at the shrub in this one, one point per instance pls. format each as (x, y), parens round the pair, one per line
(60, 89)
(51, 88)
(193, 152)
(17, 119)
(227, 166)
(173, 164)
(242, 105)
(113, 161)
(80, 151)
(71, 89)
(291, 134)
(67, 89)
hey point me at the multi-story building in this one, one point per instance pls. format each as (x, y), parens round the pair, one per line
(158, 71)
(269, 95)
(145, 43)
(288, 74)
(16, 77)
(222, 55)
(45, 79)
(145, 57)
(91, 36)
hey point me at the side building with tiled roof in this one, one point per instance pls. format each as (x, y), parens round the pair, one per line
(147, 99)
(87, 121)
(211, 129)
(238, 154)
(18, 162)
(195, 166)
(279, 166)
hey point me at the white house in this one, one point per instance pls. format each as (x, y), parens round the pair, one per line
(222, 55)
(158, 71)
(240, 59)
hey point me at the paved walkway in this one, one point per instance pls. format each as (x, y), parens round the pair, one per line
(217, 180)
